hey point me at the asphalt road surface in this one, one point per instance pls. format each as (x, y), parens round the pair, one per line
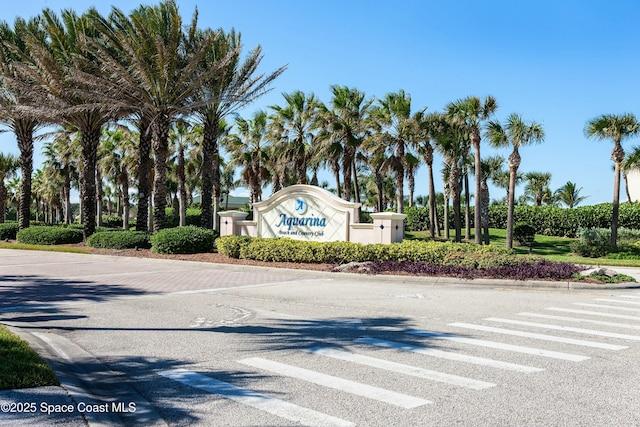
(144, 342)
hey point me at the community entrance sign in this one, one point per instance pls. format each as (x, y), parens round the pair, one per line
(308, 212)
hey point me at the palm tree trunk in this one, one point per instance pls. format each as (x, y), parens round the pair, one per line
(467, 208)
(160, 148)
(432, 201)
(209, 162)
(66, 192)
(454, 185)
(626, 187)
(182, 190)
(125, 201)
(144, 172)
(99, 196)
(447, 234)
(478, 190)
(335, 166)
(3, 200)
(347, 163)
(514, 163)
(25, 144)
(616, 197)
(484, 215)
(90, 141)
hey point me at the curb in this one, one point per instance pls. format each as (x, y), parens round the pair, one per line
(88, 382)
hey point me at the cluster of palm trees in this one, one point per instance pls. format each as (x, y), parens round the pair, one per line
(147, 100)
(147, 69)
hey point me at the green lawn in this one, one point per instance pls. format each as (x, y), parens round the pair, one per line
(552, 248)
(21, 367)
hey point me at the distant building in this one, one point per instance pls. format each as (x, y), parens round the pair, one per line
(633, 178)
(232, 203)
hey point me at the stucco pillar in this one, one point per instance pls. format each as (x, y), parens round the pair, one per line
(228, 221)
(388, 227)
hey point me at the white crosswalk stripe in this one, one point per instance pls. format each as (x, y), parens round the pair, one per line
(581, 320)
(611, 307)
(353, 387)
(501, 346)
(449, 355)
(401, 368)
(594, 313)
(565, 328)
(280, 408)
(542, 337)
(617, 301)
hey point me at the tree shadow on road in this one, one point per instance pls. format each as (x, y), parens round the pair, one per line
(32, 292)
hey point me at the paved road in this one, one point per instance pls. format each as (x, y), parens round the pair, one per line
(201, 344)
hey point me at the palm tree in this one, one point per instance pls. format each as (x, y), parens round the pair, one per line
(8, 165)
(616, 128)
(347, 125)
(453, 143)
(429, 128)
(115, 160)
(51, 77)
(470, 113)
(249, 149)
(23, 124)
(538, 186)
(235, 84)
(515, 133)
(397, 133)
(293, 126)
(569, 194)
(61, 157)
(182, 137)
(411, 165)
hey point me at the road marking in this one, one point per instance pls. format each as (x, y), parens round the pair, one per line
(617, 300)
(500, 346)
(359, 389)
(449, 355)
(280, 408)
(612, 307)
(594, 313)
(629, 296)
(566, 328)
(579, 320)
(401, 368)
(542, 337)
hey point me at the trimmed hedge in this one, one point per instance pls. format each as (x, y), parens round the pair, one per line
(122, 239)
(289, 250)
(183, 240)
(193, 217)
(46, 235)
(8, 230)
(546, 220)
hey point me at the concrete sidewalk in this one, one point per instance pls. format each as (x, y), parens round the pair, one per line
(30, 407)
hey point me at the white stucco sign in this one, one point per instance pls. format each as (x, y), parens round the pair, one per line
(308, 212)
(305, 212)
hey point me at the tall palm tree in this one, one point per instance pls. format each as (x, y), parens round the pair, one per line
(453, 143)
(617, 128)
(398, 133)
(249, 149)
(430, 126)
(182, 136)
(13, 49)
(294, 127)
(347, 123)
(56, 91)
(235, 84)
(115, 160)
(61, 155)
(471, 113)
(515, 133)
(569, 194)
(8, 165)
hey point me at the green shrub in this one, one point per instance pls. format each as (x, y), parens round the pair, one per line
(289, 250)
(524, 233)
(122, 239)
(230, 245)
(111, 221)
(192, 218)
(47, 235)
(183, 240)
(8, 230)
(592, 242)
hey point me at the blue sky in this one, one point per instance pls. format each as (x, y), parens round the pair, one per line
(558, 62)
